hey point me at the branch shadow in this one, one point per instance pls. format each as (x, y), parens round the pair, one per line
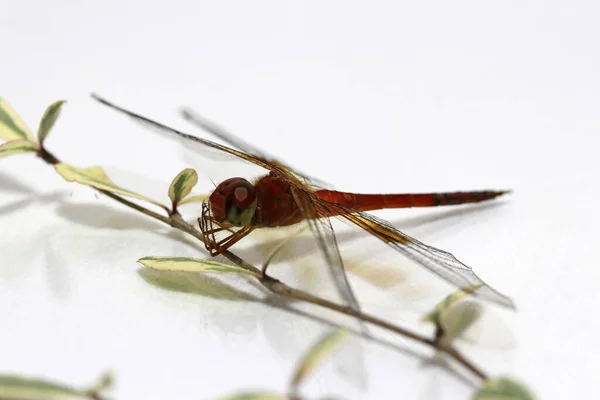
(9, 183)
(207, 286)
(100, 216)
(34, 198)
(210, 287)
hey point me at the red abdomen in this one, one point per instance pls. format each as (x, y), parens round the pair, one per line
(277, 207)
(367, 202)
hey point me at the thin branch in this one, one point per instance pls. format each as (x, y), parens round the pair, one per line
(458, 357)
(176, 221)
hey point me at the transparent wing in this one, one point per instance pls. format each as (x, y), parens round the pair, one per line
(220, 132)
(325, 238)
(440, 262)
(240, 144)
(351, 359)
(193, 141)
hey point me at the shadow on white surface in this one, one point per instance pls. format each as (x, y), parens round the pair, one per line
(9, 183)
(281, 329)
(102, 216)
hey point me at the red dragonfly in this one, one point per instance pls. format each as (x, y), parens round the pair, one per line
(285, 197)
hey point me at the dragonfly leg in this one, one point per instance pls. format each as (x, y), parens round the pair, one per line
(209, 229)
(216, 247)
(230, 240)
(212, 231)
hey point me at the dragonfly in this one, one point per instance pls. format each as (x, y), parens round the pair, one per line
(286, 196)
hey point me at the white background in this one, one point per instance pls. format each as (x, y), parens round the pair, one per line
(377, 97)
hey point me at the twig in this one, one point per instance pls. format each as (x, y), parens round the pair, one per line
(176, 221)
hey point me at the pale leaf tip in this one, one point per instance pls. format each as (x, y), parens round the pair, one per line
(503, 388)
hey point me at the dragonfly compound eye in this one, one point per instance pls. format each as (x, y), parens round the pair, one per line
(241, 203)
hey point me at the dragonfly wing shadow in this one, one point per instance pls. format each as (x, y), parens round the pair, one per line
(305, 240)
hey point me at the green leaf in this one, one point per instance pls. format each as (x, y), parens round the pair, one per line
(188, 264)
(16, 147)
(325, 347)
(97, 178)
(11, 125)
(194, 199)
(16, 387)
(20, 388)
(503, 389)
(48, 120)
(440, 308)
(458, 318)
(103, 384)
(182, 185)
(254, 396)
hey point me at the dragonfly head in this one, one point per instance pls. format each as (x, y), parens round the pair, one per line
(234, 202)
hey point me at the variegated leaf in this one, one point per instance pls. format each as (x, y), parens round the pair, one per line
(188, 264)
(11, 125)
(48, 120)
(97, 178)
(457, 319)
(182, 185)
(441, 307)
(15, 387)
(16, 147)
(502, 389)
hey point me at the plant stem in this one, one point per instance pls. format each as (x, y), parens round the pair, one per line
(176, 221)
(458, 357)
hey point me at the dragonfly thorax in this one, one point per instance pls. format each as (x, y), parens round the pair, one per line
(233, 202)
